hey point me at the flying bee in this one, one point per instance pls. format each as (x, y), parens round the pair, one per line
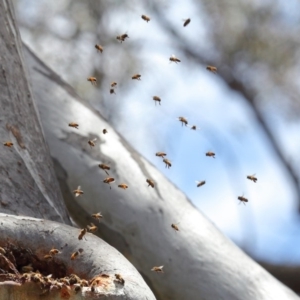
(183, 121)
(161, 154)
(210, 153)
(194, 127)
(74, 255)
(242, 199)
(200, 183)
(92, 142)
(78, 191)
(104, 167)
(252, 177)
(175, 227)
(146, 18)
(212, 69)
(150, 182)
(97, 216)
(113, 84)
(167, 162)
(119, 279)
(92, 228)
(112, 91)
(186, 22)
(174, 59)
(93, 80)
(99, 48)
(156, 99)
(54, 251)
(158, 269)
(82, 233)
(8, 144)
(104, 131)
(109, 180)
(136, 76)
(123, 186)
(122, 37)
(75, 125)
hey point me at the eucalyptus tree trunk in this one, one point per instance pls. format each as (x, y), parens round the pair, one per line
(199, 262)
(29, 188)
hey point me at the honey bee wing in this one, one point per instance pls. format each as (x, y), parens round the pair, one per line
(94, 140)
(79, 188)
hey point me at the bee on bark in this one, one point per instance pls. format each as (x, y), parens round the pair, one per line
(174, 59)
(8, 144)
(48, 257)
(119, 279)
(93, 80)
(74, 255)
(109, 180)
(150, 182)
(242, 199)
(252, 177)
(54, 251)
(123, 186)
(104, 131)
(210, 153)
(136, 77)
(99, 48)
(92, 228)
(104, 167)
(156, 99)
(186, 22)
(167, 162)
(78, 191)
(175, 227)
(200, 183)
(183, 121)
(161, 154)
(82, 233)
(97, 216)
(75, 125)
(92, 142)
(158, 269)
(146, 18)
(212, 69)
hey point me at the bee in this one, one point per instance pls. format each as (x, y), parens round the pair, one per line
(194, 127)
(97, 216)
(158, 269)
(75, 125)
(146, 18)
(109, 180)
(161, 154)
(104, 131)
(82, 233)
(122, 37)
(48, 257)
(54, 251)
(8, 144)
(99, 48)
(175, 227)
(27, 269)
(113, 84)
(104, 167)
(74, 255)
(167, 162)
(150, 182)
(210, 153)
(123, 186)
(200, 183)
(119, 279)
(183, 121)
(136, 76)
(212, 69)
(174, 59)
(92, 228)
(78, 191)
(186, 22)
(93, 80)
(112, 91)
(156, 99)
(92, 142)
(77, 288)
(2, 251)
(252, 177)
(242, 199)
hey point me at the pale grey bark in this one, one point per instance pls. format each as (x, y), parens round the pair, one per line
(199, 262)
(28, 182)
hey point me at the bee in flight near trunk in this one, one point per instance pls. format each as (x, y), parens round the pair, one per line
(74, 125)
(136, 77)
(212, 69)
(92, 143)
(175, 227)
(8, 144)
(104, 167)
(78, 191)
(109, 180)
(123, 186)
(174, 59)
(183, 121)
(156, 99)
(150, 182)
(93, 80)
(97, 216)
(167, 162)
(99, 48)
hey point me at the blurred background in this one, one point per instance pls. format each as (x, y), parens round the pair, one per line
(247, 113)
